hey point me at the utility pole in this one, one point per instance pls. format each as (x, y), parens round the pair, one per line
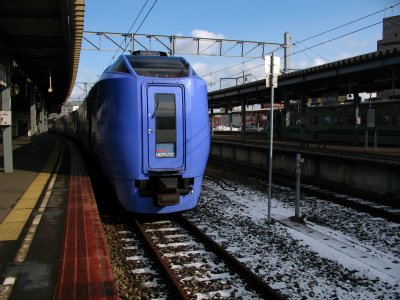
(287, 50)
(272, 66)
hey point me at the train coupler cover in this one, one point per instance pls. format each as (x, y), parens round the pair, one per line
(167, 199)
(165, 190)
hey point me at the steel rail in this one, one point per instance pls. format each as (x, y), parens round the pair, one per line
(246, 274)
(172, 281)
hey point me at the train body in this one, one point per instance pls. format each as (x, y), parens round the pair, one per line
(146, 124)
(375, 121)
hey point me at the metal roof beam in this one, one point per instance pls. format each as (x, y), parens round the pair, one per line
(178, 44)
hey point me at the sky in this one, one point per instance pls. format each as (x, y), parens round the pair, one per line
(252, 20)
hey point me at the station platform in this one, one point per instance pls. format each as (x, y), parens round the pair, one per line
(388, 152)
(52, 244)
(370, 172)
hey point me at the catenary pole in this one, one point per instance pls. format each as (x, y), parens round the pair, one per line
(271, 137)
(272, 66)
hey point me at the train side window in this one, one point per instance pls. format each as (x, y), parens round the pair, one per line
(338, 120)
(165, 118)
(294, 120)
(383, 119)
(396, 120)
(325, 120)
(350, 120)
(314, 120)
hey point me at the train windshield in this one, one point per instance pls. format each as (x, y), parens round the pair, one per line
(165, 113)
(159, 66)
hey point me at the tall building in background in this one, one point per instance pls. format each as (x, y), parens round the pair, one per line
(391, 34)
(390, 40)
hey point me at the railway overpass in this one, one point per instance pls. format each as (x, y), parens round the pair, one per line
(371, 72)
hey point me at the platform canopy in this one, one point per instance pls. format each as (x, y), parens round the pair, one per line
(43, 39)
(371, 72)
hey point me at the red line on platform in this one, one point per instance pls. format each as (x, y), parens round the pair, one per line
(85, 268)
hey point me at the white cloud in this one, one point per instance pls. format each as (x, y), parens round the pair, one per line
(191, 46)
(319, 61)
(206, 34)
(201, 68)
(300, 64)
(304, 64)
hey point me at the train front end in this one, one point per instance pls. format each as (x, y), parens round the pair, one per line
(166, 145)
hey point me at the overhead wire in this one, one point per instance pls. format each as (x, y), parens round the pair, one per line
(348, 23)
(311, 47)
(336, 38)
(324, 42)
(151, 8)
(295, 45)
(137, 17)
(133, 24)
(314, 36)
(230, 67)
(240, 63)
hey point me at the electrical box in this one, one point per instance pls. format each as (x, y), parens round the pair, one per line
(5, 118)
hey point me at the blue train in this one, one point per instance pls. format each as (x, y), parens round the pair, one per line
(146, 124)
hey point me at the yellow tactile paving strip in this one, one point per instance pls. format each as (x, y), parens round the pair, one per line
(14, 222)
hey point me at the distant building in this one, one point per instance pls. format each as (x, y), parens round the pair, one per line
(390, 40)
(391, 34)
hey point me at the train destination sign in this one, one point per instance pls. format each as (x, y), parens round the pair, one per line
(165, 150)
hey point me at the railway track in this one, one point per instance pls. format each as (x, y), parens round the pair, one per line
(188, 263)
(376, 207)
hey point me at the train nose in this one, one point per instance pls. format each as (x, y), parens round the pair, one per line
(165, 190)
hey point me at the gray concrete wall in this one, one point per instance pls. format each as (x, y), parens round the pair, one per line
(365, 174)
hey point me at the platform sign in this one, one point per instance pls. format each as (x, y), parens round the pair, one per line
(371, 118)
(275, 70)
(5, 118)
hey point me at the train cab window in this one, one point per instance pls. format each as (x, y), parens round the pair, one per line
(165, 118)
(159, 66)
(120, 66)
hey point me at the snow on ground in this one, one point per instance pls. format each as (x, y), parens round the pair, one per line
(235, 214)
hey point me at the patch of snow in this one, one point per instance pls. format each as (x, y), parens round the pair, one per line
(293, 263)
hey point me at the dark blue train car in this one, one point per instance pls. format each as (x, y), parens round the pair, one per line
(146, 123)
